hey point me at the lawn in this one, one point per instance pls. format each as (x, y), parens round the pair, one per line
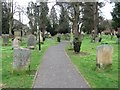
(23, 79)
(85, 62)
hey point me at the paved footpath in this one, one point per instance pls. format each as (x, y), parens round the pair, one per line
(56, 70)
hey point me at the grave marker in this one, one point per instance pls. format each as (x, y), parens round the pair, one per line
(104, 55)
(21, 58)
(31, 43)
(5, 39)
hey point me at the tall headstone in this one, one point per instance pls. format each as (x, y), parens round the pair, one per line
(104, 55)
(31, 43)
(5, 39)
(21, 58)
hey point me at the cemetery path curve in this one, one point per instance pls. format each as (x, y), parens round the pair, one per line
(56, 70)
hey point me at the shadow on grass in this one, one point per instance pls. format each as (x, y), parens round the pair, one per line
(31, 72)
(80, 53)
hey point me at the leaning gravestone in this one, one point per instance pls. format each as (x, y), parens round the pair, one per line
(104, 56)
(5, 39)
(31, 43)
(21, 58)
(16, 43)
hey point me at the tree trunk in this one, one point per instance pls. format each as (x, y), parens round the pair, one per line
(0, 18)
(77, 38)
(95, 20)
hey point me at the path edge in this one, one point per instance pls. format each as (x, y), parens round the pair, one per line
(38, 70)
(77, 69)
(36, 75)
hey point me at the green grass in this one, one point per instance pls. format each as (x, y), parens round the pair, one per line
(85, 62)
(0, 61)
(23, 79)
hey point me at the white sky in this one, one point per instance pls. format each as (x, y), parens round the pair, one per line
(106, 9)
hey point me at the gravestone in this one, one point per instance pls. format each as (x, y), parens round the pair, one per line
(17, 33)
(104, 56)
(98, 39)
(21, 58)
(5, 39)
(31, 43)
(16, 42)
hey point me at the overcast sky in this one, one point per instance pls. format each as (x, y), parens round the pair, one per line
(106, 9)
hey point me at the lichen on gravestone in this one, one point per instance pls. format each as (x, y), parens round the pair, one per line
(21, 58)
(104, 56)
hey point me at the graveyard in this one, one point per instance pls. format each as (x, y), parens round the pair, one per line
(54, 44)
(25, 77)
(85, 63)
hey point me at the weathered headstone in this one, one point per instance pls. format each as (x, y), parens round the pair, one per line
(16, 43)
(21, 58)
(104, 56)
(98, 39)
(17, 33)
(5, 39)
(31, 43)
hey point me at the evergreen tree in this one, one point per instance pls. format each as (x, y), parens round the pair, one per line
(88, 15)
(5, 18)
(43, 17)
(116, 15)
(63, 22)
(54, 21)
